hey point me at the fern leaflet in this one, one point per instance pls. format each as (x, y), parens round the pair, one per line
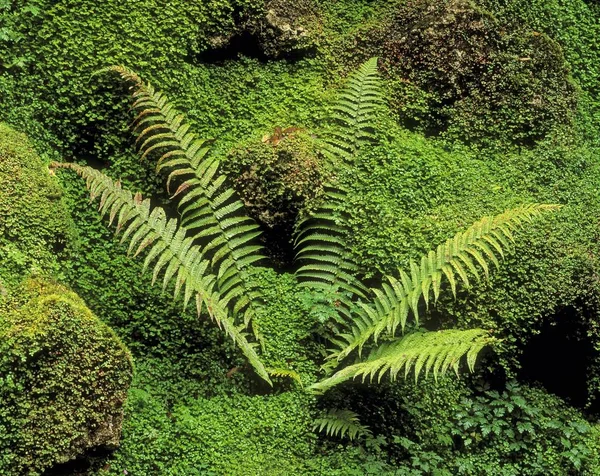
(169, 250)
(341, 423)
(435, 352)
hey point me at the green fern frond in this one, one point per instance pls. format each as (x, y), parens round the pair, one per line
(286, 373)
(210, 210)
(341, 423)
(321, 247)
(324, 259)
(435, 352)
(355, 114)
(455, 260)
(168, 252)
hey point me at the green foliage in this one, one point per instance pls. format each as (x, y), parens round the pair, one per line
(515, 430)
(484, 240)
(230, 434)
(408, 192)
(64, 379)
(483, 80)
(276, 178)
(320, 244)
(173, 253)
(355, 113)
(435, 352)
(209, 209)
(35, 228)
(341, 423)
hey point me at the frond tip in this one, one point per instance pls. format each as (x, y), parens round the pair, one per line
(436, 352)
(341, 423)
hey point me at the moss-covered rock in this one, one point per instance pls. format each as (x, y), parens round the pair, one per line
(287, 27)
(471, 75)
(35, 226)
(276, 177)
(64, 377)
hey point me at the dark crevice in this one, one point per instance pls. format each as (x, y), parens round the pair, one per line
(243, 44)
(560, 356)
(86, 464)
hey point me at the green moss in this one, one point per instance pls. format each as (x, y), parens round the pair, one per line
(63, 379)
(479, 79)
(35, 227)
(276, 178)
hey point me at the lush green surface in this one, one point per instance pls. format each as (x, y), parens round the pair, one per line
(64, 377)
(467, 138)
(35, 226)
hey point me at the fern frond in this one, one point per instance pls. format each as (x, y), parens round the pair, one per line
(355, 113)
(321, 247)
(453, 261)
(324, 258)
(210, 210)
(286, 373)
(168, 252)
(341, 423)
(436, 352)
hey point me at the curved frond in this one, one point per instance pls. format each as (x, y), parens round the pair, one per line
(355, 113)
(169, 252)
(210, 209)
(453, 261)
(436, 352)
(321, 248)
(341, 423)
(286, 373)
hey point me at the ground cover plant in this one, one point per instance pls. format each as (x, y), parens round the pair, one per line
(492, 106)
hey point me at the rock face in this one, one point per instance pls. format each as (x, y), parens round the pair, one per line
(64, 377)
(279, 29)
(287, 27)
(35, 225)
(473, 72)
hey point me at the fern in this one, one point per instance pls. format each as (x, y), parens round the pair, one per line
(341, 423)
(355, 114)
(322, 251)
(169, 251)
(209, 209)
(286, 373)
(485, 240)
(435, 352)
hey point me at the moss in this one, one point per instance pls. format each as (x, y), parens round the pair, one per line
(468, 75)
(35, 226)
(276, 177)
(287, 27)
(64, 378)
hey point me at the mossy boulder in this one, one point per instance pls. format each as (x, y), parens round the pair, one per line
(64, 377)
(287, 28)
(456, 69)
(35, 225)
(277, 177)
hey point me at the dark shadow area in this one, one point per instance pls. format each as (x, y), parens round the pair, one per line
(244, 44)
(249, 45)
(559, 357)
(87, 464)
(280, 247)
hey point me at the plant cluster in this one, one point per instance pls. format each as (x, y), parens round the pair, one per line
(64, 379)
(384, 209)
